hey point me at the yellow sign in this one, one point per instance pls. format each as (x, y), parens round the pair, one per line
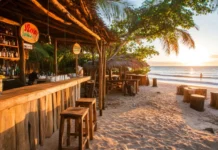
(29, 32)
(76, 48)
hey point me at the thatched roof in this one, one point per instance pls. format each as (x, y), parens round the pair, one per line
(126, 61)
(84, 27)
(118, 61)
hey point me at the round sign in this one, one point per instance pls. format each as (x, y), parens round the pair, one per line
(76, 48)
(29, 32)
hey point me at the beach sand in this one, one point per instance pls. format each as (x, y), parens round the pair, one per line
(156, 118)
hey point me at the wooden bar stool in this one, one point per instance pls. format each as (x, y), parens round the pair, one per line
(91, 104)
(80, 115)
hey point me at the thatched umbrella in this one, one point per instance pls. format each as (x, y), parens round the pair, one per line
(117, 62)
(125, 61)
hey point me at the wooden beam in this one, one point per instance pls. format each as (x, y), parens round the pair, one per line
(74, 40)
(8, 21)
(72, 18)
(50, 14)
(50, 25)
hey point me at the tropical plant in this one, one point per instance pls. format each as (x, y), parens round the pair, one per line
(112, 9)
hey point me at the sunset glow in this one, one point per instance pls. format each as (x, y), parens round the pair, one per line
(192, 57)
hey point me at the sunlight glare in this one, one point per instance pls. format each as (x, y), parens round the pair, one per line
(195, 57)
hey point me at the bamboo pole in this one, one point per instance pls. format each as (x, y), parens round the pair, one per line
(50, 14)
(76, 64)
(100, 75)
(104, 76)
(72, 18)
(22, 58)
(55, 57)
(8, 21)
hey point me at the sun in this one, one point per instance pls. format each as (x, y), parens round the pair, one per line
(196, 57)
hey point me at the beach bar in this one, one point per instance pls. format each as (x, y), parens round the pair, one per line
(30, 114)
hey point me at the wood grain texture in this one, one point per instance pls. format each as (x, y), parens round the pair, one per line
(42, 118)
(7, 129)
(22, 126)
(49, 116)
(25, 94)
(34, 125)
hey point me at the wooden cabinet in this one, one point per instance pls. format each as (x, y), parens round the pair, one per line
(9, 48)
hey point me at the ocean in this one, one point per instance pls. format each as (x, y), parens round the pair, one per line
(186, 74)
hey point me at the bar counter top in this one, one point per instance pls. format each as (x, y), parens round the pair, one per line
(25, 94)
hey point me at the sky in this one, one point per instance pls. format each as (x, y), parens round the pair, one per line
(206, 44)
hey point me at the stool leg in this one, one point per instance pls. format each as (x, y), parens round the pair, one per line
(76, 127)
(80, 134)
(95, 116)
(61, 132)
(91, 122)
(87, 131)
(68, 132)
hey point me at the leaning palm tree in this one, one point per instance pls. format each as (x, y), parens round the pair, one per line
(170, 41)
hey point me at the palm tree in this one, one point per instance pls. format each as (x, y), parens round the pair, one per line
(110, 10)
(170, 41)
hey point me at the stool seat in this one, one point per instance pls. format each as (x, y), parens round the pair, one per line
(80, 115)
(91, 104)
(75, 112)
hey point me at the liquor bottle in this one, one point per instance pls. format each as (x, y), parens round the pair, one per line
(1, 39)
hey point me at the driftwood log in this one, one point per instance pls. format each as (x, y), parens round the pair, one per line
(187, 94)
(197, 102)
(154, 82)
(214, 100)
(180, 89)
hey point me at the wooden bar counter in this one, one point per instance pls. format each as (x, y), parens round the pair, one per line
(30, 114)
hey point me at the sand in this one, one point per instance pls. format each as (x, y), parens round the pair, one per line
(155, 119)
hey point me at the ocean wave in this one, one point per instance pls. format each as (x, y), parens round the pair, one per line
(189, 81)
(182, 76)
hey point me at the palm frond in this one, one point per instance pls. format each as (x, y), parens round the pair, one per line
(186, 38)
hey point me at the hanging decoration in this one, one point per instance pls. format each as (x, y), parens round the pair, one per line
(29, 32)
(76, 48)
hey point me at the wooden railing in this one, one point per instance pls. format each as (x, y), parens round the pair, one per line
(30, 114)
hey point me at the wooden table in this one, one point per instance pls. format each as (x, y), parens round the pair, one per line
(142, 78)
(123, 81)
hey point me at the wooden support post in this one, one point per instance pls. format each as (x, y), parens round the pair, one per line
(104, 76)
(22, 64)
(55, 57)
(154, 82)
(100, 74)
(76, 64)
(147, 81)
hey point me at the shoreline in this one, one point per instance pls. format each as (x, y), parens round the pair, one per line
(185, 82)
